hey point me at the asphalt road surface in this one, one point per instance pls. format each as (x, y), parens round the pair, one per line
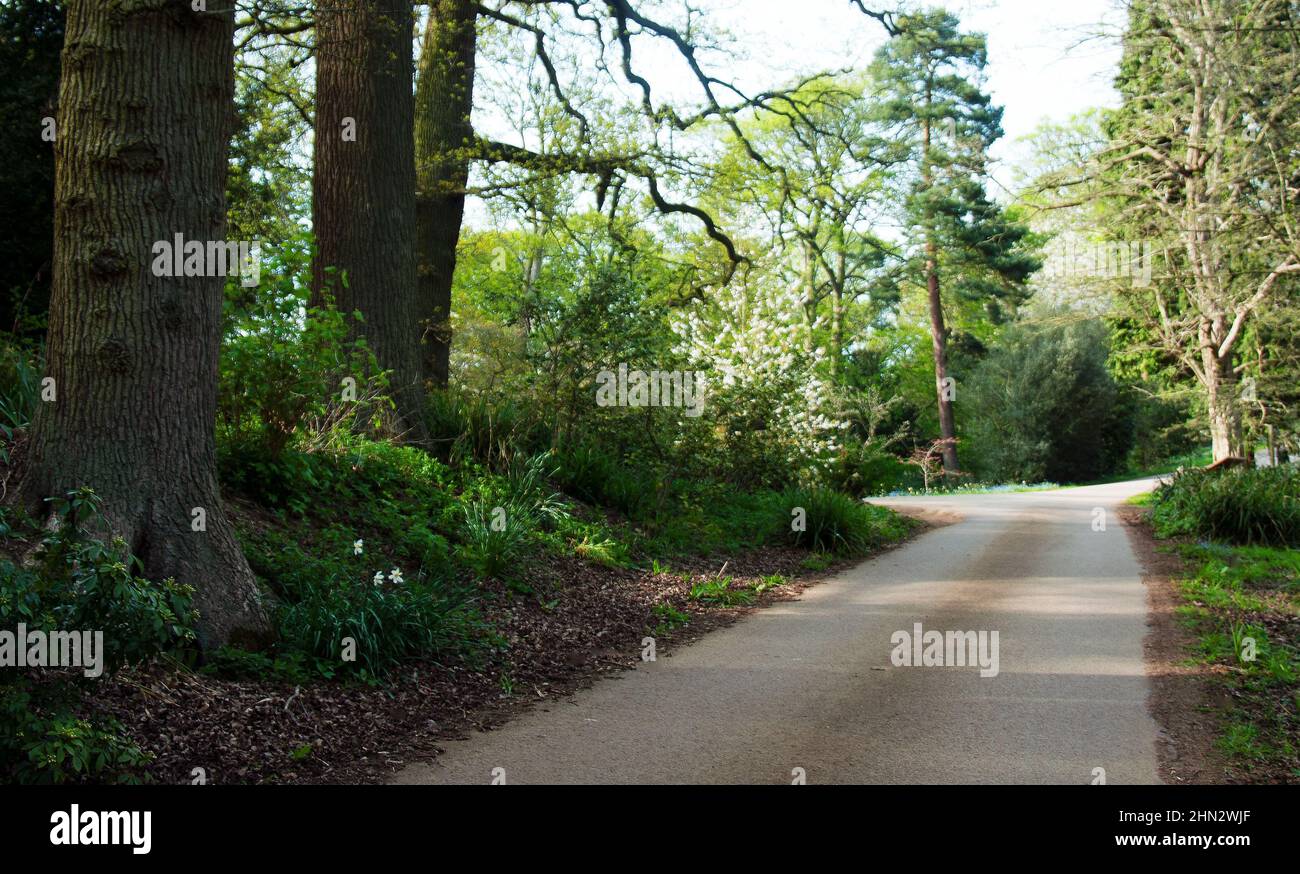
(809, 688)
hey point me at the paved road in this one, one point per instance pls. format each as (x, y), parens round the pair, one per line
(810, 684)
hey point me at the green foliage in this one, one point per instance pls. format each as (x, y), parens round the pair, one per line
(817, 561)
(229, 661)
(470, 427)
(837, 524)
(398, 502)
(268, 186)
(389, 621)
(930, 74)
(43, 741)
(604, 551)
(528, 485)
(78, 582)
(670, 619)
(1241, 506)
(372, 486)
(75, 582)
(1241, 600)
(867, 468)
(719, 592)
(1042, 406)
(596, 475)
(494, 539)
(500, 528)
(283, 363)
(715, 518)
(293, 481)
(20, 383)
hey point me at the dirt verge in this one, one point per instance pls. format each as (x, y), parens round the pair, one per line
(584, 621)
(1187, 701)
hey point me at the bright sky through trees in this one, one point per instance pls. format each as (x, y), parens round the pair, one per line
(1048, 59)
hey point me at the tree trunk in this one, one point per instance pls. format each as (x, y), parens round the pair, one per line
(444, 97)
(1223, 403)
(837, 317)
(144, 118)
(939, 336)
(938, 332)
(363, 187)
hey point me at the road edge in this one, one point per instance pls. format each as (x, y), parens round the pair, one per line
(1185, 701)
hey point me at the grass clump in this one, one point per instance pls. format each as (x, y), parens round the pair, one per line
(1244, 506)
(824, 520)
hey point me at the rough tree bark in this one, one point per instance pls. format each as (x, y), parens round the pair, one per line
(144, 117)
(1222, 396)
(444, 140)
(363, 187)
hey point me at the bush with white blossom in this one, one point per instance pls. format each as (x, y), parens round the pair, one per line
(767, 402)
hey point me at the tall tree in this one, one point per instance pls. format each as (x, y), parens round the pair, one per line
(444, 99)
(944, 125)
(448, 144)
(1204, 162)
(822, 203)
(364, 186)
(144, 117)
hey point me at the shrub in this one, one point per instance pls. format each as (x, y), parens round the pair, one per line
(836, 523)
(475, 427)
(389, 621)
(595, 475)
(494, 538)
(1242, 506)
(528, 482)
(283, 362)
(78, 582)
(43, 741)
(75, 582)
(1043, 406)
(328, 591)
(866, 468)
(584, 471)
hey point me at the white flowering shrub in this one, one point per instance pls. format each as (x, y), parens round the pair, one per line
(768, 410)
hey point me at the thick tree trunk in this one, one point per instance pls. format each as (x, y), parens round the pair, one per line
(145, 114)
(363, 186)
(1223, 403)
(444, 97)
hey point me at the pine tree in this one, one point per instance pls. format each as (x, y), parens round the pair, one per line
(942, 126)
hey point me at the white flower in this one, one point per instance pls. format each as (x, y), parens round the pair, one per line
(379, 578)
(356, 547)
(395, 576)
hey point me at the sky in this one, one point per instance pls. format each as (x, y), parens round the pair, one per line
(1048, 59)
